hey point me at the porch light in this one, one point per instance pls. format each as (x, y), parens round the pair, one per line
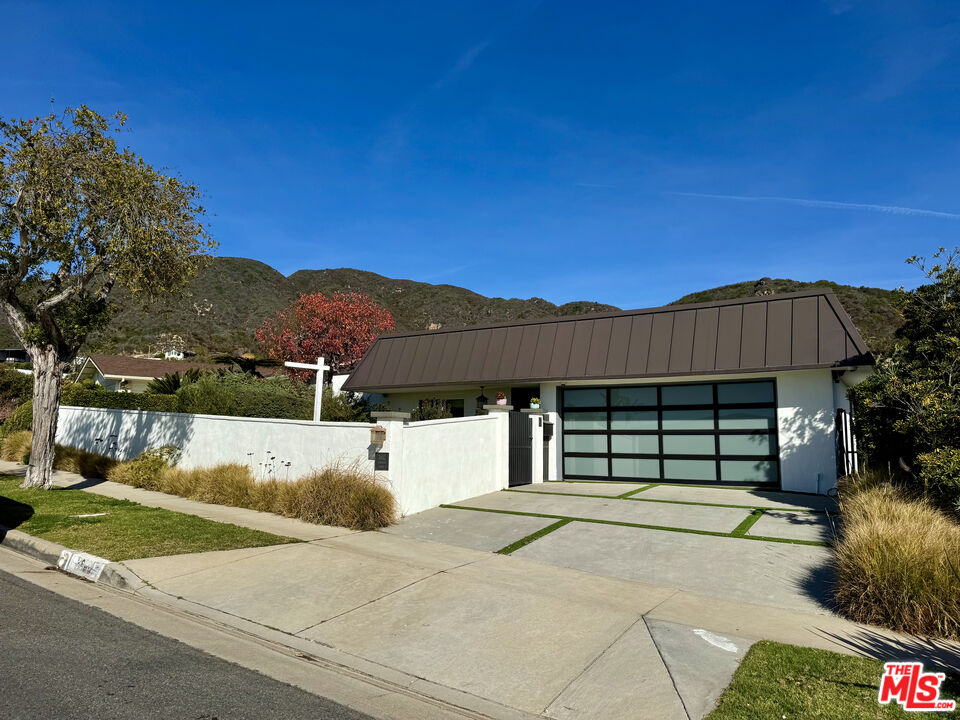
(378, 435)
(481, 399)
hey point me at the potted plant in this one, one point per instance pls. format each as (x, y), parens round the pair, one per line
(501, 398)
(534, 403)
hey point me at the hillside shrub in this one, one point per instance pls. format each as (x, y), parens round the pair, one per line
(898, 562)
(80, 396)
(242, 395)
(16, 446)
(20, 419)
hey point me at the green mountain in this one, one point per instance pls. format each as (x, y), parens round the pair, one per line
(219, 310)
(872, 309)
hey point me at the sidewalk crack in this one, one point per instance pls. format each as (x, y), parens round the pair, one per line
(590, 664)
(667, 668)
(385, 595)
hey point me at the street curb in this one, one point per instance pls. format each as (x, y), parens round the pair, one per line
(114, 574)
(38, 548)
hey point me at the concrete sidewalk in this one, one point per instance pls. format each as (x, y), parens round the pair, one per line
(545, 640)
(503, 633)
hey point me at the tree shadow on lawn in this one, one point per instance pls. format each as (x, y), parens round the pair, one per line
(934, 654)
(12, 515)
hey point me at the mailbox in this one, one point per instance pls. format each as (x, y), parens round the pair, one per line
(378, 435)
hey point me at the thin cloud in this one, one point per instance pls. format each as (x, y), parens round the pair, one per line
(464, 63)
(832, 204)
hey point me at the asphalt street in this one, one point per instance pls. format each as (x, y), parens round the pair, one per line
(61, 659)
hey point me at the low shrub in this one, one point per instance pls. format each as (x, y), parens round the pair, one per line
(20, 419)
(79, 396)
(16, 446)
(898, 563)
(345, 407)
(431, 409)
(144, 471)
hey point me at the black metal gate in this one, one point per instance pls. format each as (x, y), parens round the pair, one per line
(521, 449)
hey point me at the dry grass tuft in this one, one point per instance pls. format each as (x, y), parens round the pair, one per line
(16, 446)
(898, 563)
(344, 496)
(84, 463)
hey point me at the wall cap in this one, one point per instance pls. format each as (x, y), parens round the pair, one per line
(390, 415)
(498, 408)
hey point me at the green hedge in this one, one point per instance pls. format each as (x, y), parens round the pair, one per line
(20, 419)
(242, 395)
(80, 396)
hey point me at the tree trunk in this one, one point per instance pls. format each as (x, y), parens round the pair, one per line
(47, 378)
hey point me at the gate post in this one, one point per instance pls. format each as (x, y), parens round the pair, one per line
(502, 413)
(536, 418)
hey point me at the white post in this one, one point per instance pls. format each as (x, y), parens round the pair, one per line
(318, 395)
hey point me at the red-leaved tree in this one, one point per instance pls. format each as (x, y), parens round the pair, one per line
(339, 328)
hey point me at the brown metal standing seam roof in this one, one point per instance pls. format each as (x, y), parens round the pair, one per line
(793, 331)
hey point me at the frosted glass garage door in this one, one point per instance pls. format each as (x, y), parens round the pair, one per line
(682, 432)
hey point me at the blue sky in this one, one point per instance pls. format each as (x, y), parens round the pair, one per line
(619, 151)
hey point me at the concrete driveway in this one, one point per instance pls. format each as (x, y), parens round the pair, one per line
(738, 544)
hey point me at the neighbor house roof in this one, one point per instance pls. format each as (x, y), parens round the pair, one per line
(792, 331)
(130, 367)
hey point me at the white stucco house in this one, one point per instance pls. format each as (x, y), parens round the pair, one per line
(747, 391)
(130, 374)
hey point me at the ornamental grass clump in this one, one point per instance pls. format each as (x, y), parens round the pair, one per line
(345, 496)
(16, 446)
(898, 563)
(82, 462)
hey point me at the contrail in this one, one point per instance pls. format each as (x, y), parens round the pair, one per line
(888, 209)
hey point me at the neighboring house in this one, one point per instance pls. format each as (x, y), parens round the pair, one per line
(12, 355)
(742, 391)
(130, 374)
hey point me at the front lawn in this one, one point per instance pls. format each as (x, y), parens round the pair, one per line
(777, 681)
(126, 531)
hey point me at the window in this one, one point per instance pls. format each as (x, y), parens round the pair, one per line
(682, 432)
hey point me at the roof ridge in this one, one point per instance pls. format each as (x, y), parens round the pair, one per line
(812, 292)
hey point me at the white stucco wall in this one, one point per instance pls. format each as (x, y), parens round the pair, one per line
(264, 444)
(806, 405)
(445, 461)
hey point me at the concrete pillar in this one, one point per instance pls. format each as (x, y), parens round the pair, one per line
(501, 412)
(394, 423)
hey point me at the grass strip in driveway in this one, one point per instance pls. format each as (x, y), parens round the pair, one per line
(638, 490)
(117, 529)
(531, 537)
(712, 533)
(748, 522)
(784, 681)
(628, 496)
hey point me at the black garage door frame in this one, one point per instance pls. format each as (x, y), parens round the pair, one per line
(659, 432)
